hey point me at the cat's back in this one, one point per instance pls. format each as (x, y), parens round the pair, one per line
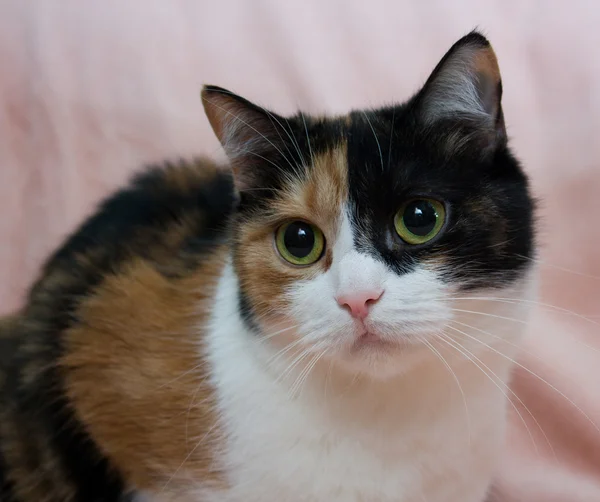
(168, 218)
(168, 214)
(115, 317)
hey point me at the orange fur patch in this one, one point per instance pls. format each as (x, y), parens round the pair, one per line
(318, 199)
(486, 64)
(136, 374)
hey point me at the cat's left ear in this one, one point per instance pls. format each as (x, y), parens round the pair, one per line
(466, 87)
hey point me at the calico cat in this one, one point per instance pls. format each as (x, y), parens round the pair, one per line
(332, 318)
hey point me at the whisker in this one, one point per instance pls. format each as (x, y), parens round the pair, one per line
(391, 139)
(189, 455)
(486, 314)
(548, 306)
(287, 177)
(271, 361)
(295, 142)
(312, 158)
(284, 374)
(376, 139)
(476, 361)
(290, 136)
(277, 333)
(509, 389)
(456, 379)
(191, 406)
(185, 373)
(558, 267)
(535, 375)
(304, 374)
(499, 338)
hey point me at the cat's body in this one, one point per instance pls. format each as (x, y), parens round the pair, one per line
(302, 342)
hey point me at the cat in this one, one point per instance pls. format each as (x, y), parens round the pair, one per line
(332, 316)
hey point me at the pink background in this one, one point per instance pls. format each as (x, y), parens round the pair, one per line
(90, 90)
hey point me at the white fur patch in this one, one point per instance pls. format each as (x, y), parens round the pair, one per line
(402, 426)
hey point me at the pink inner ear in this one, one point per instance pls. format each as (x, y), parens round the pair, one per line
(488, 80)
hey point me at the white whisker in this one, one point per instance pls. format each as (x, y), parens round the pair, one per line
(189, 456)
(456, 379)
(376, 140)
(187, 372)
(535, 375)
(284, 374)
(511, 391)
(558, 267)
(391, 138)
(276, 333)
(304, 374)
(516, 301)
(239, 119)
(271, 361)
(289, 135)
(479, 363)
(312, 158)
(495, 316)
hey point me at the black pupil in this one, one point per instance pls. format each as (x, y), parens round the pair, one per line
(420, 217)
(299, 239)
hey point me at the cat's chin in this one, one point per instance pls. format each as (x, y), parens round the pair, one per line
(381, 358)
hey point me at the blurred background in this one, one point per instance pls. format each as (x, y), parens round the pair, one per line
(91, 90)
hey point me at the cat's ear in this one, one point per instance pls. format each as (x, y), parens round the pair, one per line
(466, 87)
(247, 132)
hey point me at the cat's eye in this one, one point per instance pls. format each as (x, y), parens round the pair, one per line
(299, 243)
(419, 220)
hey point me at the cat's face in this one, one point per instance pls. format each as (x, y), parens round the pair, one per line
(369, 237)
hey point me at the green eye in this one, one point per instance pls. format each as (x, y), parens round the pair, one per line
(419, 220)
(300, 243)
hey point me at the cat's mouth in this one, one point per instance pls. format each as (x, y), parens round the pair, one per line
(369, 339)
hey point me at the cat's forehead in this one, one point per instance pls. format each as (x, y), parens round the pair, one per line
(328, 154)
(386, 155)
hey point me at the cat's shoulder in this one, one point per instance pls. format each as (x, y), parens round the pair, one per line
(169, 216)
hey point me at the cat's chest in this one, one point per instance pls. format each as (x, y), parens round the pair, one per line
(272, 462)
(284, 450)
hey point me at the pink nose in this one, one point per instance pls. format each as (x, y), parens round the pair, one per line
(358, 302)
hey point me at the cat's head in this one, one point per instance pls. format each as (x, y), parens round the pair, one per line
(371, 235)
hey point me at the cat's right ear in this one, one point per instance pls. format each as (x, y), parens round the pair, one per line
(247, 132)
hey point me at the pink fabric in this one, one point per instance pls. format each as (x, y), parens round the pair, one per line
(90, 90)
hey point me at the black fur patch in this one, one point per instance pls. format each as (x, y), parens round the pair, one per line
(6, 487)
(488, 236)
